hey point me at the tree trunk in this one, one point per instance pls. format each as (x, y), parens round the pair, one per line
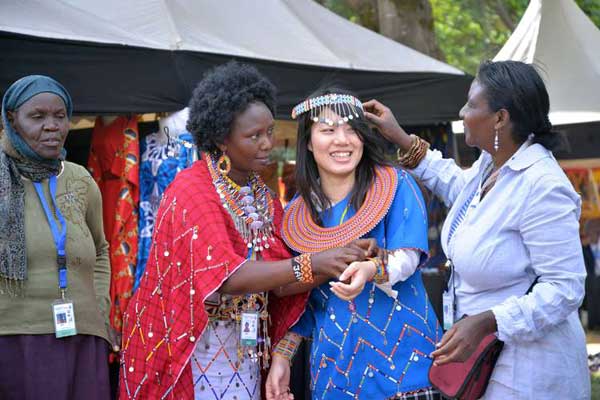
(409, 22)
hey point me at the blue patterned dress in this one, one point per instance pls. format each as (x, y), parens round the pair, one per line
(161, 160)
(376, 346)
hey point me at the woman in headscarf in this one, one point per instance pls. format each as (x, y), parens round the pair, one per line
(54, 269)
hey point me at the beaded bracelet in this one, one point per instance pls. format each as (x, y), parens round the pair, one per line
(302, 267)
(381, 272)
(413, 156)
(287, 347)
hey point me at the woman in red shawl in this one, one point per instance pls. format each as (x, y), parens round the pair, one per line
(198, 325)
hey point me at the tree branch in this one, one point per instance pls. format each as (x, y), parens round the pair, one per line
(500, 8)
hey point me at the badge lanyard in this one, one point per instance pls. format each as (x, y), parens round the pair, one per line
(62, 309)
(249, 320)
(60, 237)
(448, 297)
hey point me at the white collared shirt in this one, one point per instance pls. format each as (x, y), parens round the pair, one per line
(525, 226)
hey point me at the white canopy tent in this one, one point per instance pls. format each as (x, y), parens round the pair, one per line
(558, 37)
(293, 31)
(147, 55)
(564, 43)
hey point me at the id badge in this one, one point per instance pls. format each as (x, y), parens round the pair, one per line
(448, 305)
(448, 299)
(64, 318)
(249, 329)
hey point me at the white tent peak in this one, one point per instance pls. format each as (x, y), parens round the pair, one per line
(291, 31)
(559, 38)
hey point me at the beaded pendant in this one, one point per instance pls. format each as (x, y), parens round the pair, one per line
(250, 206)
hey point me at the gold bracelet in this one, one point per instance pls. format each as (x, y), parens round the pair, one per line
(400, 154)
(417, 151)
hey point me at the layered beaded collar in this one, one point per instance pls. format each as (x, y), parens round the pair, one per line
(302, 234)
(250, 206)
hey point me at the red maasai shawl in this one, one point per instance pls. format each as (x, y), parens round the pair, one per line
(195, 248)
(114, 164)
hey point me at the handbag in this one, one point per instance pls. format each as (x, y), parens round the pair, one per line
(468, 380)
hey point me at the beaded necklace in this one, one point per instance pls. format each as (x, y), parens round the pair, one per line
(250, 206)
(252, 211)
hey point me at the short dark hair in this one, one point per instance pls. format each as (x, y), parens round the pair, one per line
(518, 88)
(307, 173)
(220, 96)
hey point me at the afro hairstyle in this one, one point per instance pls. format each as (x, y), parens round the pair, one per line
(220, 96)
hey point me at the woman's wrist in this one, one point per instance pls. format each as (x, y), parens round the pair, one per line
(487, 322)
(401, 138)
(371, 264)
(287, 347)
(380, 274)
(415, 153)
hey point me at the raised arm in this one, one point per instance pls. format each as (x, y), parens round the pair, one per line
(440, 175)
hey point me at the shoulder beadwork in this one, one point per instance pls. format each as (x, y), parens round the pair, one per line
(302, 234)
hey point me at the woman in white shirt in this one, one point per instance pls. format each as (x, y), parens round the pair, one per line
(513, 218)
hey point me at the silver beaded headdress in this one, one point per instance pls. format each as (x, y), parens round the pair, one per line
(322, 108)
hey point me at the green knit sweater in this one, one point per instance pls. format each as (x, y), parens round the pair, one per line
(80, 202)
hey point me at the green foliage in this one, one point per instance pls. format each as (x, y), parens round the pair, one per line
(361, 12)
(467, 31)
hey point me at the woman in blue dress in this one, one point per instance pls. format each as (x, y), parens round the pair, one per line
(372, 330)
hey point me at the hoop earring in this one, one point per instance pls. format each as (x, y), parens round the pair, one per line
(224, 164)
(496, 141)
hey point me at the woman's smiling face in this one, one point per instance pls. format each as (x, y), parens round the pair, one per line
(337, 149)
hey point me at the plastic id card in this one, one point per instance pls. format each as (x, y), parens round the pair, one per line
(448, 303)
(249, 329)
(64, 318)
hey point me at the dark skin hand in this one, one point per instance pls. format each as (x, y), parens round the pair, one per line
(261, 276)
(460, 341)
(372, 250)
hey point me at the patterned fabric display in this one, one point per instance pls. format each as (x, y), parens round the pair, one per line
(161, 160)
(195, 249)
(113, 163)
(376, 346)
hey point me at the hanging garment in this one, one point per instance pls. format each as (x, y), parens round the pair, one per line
(114, 164)
(162, 158)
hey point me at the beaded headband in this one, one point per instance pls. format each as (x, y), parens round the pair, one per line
(346, 106)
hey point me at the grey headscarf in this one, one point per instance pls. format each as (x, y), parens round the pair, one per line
(18, 159)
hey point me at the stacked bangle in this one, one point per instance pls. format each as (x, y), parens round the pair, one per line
(413, 156)
(381, 272)
(302, 267)
(287, 347)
